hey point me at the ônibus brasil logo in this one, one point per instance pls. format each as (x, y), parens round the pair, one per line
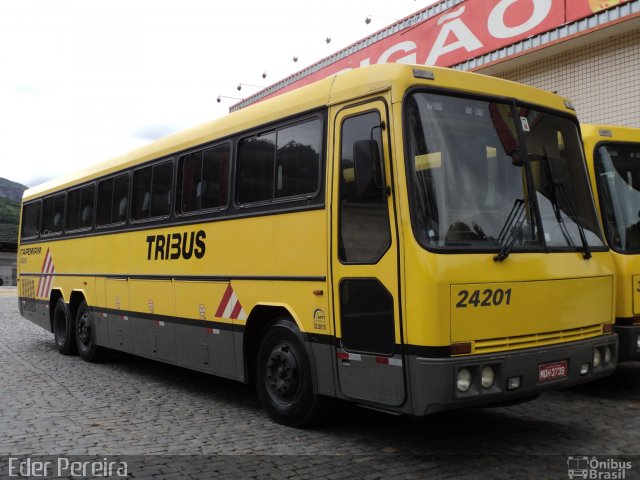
(597, 469)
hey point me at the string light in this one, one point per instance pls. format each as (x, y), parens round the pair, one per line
(295, 58)
(240, 85)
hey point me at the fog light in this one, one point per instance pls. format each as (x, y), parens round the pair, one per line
(488, 377)
(513, 383)
(463, 381)
(584, 369)
(638, 342)
(607, 355)
(597, 358)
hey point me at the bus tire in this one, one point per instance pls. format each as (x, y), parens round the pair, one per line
(64, 331)
(88, 348)
(283, 376)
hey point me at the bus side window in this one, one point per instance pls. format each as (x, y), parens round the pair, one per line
(280, 164)
(152, 191)
(80, 208)
(214, 186)
(191, 174)
(204, 179)
(141, 194)
(53, 214)
(120, 201)
(113, 200)
(31, 220)
(161, 190)
(298, 159)
(256, 157)
(87, 206)
(105, 196)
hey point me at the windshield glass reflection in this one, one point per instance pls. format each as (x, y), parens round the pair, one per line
(618, 180)
(469, 184)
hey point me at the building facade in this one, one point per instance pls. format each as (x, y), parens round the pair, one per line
(586, 50)
(598, 69)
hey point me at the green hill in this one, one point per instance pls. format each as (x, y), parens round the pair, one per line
(11, 190)
(9, 219)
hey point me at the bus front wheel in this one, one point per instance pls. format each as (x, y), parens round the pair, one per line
(283, 376)
(64, 329)
(88, 349)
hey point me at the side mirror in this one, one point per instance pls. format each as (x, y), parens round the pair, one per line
(366, 160)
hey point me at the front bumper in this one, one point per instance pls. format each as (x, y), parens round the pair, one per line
(434, 380)
(628, 348)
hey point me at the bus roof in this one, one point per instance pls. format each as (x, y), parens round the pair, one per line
(334, 89)
(593, 134)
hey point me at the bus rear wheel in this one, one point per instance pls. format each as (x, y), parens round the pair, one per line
(64, 329)
(88, 349)
(283, 376)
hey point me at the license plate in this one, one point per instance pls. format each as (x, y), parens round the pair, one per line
(552, 371)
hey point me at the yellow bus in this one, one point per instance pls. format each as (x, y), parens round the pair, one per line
(613, 157)
(411, 239)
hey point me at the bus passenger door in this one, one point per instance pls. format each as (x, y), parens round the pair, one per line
(364, 256)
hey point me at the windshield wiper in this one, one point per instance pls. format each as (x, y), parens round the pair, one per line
(553, 198)
(511, 230)
(572, 209)
(586, 254)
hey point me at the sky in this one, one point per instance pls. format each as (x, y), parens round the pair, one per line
(82, 81)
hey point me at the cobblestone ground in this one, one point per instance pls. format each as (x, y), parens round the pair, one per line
(168, 422)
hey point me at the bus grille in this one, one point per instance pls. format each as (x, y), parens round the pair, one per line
(536, 339)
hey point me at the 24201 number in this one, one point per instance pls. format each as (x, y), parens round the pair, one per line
(484, 298)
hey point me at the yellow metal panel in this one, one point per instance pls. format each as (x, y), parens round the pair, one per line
(117, 294)
(430, 300)
(627, 270)
(198, 300)
(100, 291)
(151, 296)
(291, 244)
(528, 307)
(306, 301)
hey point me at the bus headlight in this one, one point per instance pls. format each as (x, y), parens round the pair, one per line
(463, 381)
(607, 355)
(597, 358)
(488, 377)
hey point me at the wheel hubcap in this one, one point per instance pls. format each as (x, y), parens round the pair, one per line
(282, 372)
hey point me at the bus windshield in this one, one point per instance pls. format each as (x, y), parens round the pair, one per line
(474, 184)
(618, 179)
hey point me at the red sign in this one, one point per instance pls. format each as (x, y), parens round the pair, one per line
(468, 30)
(581, 9)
